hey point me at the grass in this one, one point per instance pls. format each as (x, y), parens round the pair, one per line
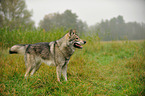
(115, 68)
(9, 38)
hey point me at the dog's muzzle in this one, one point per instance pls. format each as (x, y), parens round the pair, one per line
(78, 45)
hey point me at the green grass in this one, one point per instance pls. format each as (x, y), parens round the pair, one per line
(9, 38)
(115, 68)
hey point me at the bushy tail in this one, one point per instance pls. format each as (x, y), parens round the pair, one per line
(18, 49)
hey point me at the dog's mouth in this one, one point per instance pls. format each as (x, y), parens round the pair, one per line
(76, 45)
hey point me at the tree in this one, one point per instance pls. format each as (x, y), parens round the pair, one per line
(13, 14)
(67, 20)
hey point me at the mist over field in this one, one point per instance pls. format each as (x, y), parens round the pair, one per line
(112, 62)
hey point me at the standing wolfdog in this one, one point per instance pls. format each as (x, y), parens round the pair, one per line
(55, 53)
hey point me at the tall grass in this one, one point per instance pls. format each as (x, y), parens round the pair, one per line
(11, 37)
(100, 68)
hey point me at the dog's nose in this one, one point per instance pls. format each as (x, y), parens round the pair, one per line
(85, 42)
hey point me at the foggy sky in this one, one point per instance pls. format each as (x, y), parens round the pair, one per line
(90, 11)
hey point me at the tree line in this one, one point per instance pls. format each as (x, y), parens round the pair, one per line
(117, 29)
(114, 29)
(14, 15)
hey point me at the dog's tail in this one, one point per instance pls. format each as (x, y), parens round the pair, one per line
(18, 49)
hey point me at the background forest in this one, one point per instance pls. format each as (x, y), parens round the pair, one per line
(14, 15)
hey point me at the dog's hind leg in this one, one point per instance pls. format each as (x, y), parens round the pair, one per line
(27, 72)
(38, 64)
(30, 63)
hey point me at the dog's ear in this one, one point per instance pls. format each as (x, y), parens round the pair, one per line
(72, 32)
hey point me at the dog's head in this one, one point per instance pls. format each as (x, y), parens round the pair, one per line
(75, 40)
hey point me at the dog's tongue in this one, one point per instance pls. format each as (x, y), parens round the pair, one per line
(78, 45)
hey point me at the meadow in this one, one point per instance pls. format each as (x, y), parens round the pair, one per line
(114, 68)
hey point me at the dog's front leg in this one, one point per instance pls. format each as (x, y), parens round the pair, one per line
(64, 72)
(58, 72)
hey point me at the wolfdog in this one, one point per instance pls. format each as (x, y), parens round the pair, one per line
(56, 53)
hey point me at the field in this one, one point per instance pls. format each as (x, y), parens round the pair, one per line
(115, 68)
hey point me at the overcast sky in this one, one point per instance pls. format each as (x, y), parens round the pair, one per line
(90, 11)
